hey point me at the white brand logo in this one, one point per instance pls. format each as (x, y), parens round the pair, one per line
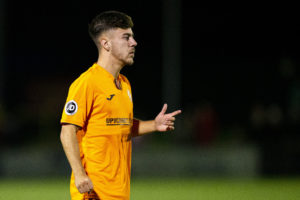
(129, 95)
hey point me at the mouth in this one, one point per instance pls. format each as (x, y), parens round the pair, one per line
(131, 53)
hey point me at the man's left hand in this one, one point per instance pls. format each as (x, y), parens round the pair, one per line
(165, 122)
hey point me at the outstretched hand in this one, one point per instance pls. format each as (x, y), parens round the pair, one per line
(165, 122)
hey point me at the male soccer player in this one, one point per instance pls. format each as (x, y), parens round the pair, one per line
(97, 120)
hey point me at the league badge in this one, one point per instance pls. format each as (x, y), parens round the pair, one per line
(71, 107)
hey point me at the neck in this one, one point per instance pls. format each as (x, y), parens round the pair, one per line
(112, 67)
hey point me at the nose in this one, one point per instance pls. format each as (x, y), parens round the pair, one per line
(133, 42)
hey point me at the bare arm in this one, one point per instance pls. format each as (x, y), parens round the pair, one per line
(163, 122)
(70, 144)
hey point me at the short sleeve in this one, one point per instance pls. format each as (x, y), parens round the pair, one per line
(79, 102)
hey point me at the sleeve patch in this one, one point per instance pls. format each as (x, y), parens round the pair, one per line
(71, 107)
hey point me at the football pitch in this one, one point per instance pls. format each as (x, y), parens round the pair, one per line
(164, 189)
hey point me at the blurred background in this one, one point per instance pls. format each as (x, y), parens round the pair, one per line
(232, 69)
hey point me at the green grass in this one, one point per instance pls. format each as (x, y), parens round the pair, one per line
(25, 189)
(164, 189)
(216, 189)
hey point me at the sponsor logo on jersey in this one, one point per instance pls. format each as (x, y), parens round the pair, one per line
(110, 98)
(71, 107)
(118, 121)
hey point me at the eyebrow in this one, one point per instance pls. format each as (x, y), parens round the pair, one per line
(128, 34)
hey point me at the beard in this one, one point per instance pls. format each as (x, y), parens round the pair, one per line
(127, 59)
(129, 62)
(123, 54)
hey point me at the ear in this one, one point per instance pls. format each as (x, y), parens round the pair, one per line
(105, 43)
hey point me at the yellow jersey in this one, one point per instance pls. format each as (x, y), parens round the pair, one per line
(105, 115)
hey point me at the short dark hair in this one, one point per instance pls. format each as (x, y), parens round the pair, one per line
(108, 20)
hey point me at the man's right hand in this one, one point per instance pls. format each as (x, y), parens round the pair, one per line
(70, 144)
(83, 183)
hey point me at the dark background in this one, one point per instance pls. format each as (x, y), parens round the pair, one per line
(239, 72)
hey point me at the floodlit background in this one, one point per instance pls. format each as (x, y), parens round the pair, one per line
(232, 69)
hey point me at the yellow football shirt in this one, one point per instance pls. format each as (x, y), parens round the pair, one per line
(105, 114)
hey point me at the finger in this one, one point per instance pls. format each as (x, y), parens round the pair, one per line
(172, 119)
(88, 186)
(85, 188)
(170, 128)
(175, 113)
(82, 189)
(91, 186)
(79, 189)
(164, 109)
(170, 123)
